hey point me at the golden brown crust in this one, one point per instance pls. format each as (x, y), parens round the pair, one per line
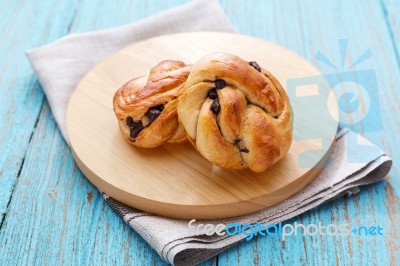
(249, 124)
(141, 99)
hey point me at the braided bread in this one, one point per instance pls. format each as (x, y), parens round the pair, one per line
(146, 106)
(236, 113)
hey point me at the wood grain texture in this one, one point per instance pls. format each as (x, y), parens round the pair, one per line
(21, 95)
(391, 11)
(304, 27)
(62, 218)
(175, 180)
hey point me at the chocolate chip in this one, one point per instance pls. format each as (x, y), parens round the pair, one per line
(129, 121)
(220, 83)
(135, 129)
(150, 116)
(134, 126)
(212, 94)
(240, 145)
(215, 107)
(255, 65)
(153, 114)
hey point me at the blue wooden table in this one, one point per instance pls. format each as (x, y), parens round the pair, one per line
(50, 214)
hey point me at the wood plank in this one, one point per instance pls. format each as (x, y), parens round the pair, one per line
(24, 24)
(391, 9)
(300, 27)
(56, 216)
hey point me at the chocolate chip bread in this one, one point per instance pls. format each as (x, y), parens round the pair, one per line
(146, 106)
(236, 113)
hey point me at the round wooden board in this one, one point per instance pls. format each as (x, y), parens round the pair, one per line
(175, 180)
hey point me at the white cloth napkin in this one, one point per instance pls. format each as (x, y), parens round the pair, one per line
(61, 64)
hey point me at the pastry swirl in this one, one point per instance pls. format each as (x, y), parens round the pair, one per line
(146, 106)
(236, 113)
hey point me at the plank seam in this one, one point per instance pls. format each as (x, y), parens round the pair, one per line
(391, 33)
(22, 165)
(73, 18)
(9, 200)
(31, 136)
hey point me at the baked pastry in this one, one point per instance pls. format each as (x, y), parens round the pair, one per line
(236, 113)
(146, 106)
